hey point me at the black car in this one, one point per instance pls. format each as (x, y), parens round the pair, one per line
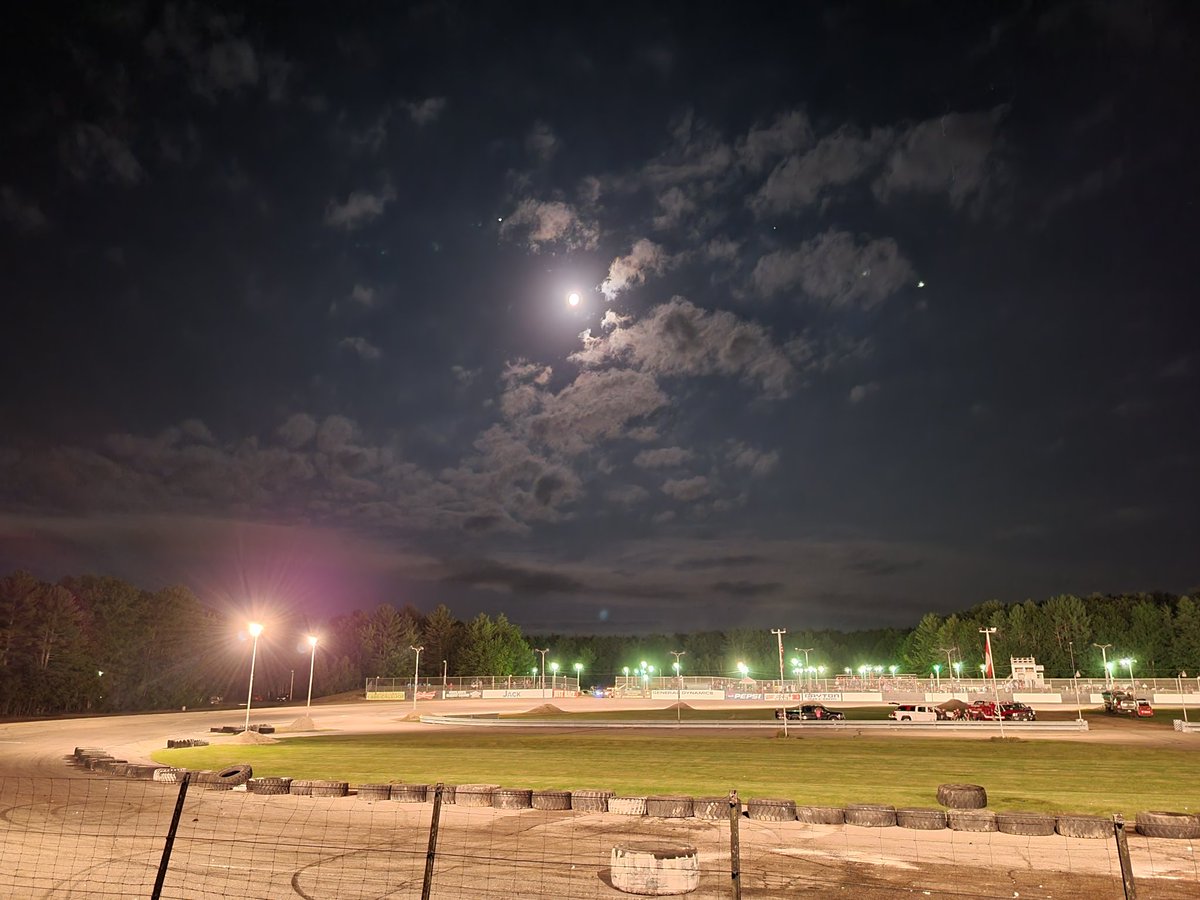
(811, 712)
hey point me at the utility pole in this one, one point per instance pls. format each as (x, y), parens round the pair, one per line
(779, 633)
(949, 659)
(542, 670)
(1104, 656)
(990, 669)
(416, 674)
(1075, 679)
(678, 682)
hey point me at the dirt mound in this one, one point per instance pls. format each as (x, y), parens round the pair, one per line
(253, 737)
(679, 705)
(546, 709)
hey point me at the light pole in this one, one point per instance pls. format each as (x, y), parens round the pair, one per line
(255, 630)
(416, 674)
(553, 676)
(625, 669)
(445, 678)
(1104, 657)
(312, 667)
(949, 659)
(1075, 680)
(542, 685)
(1182, 699)
(1128, 663)
(578, 677)
(678, 682)
(806, 651)
(937, 674)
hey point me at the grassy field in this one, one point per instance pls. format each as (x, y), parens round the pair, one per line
(823, 769)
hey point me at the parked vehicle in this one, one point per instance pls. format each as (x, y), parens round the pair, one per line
(1120, 703)
(985, 711)
(811, 712)
(916, 712)
(1144, 709)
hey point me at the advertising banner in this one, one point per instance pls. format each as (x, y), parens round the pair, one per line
(737, 695)
(805, 697)
(427, 695)
(475, 695)
(688, 694)
(385, 695)
(516, 693)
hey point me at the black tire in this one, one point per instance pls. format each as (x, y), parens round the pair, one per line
(870, 815)
(94, 762)
(301, 787)
(1168, 825)
(906, 718)
(269, 786)
(410, 793)
(1031, 824)
(373, 791)
(330, 788)
(168, 775)
(474, 794)
(447, 793)
(765, 809)
(235, 775)
(550, 800)
(591, 801)
(921, 818)
(962, 796)
(821, 815)
(512, 798)
(711, 808)
(978, 820)
(1084, 826)
(669, 807)
(137, 770)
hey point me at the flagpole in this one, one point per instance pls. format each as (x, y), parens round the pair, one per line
(990, 670)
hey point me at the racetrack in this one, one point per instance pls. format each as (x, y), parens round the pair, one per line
(71, 833)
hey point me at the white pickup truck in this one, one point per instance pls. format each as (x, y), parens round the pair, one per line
(915, 712)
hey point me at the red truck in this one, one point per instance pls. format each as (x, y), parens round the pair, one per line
(985, 711)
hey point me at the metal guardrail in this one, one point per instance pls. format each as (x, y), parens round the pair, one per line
(848, 725)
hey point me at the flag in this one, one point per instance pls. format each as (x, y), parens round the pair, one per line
(989, 670)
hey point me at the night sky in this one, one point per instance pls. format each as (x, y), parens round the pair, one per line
(883, 308)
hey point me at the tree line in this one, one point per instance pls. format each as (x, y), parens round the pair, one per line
(99, 644)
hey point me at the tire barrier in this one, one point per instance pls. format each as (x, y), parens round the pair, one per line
(411, 793)
(821, 815)
(627, 806)
(330, 788)
(207, 780)
(474, 794)
(94, 762)
(765, 809)
(869, 815)
(269, 786)
(136, 770)
(373, 791)
(447, 793)
(168, 775)
(670, 807)
(962, 796)
(589, 800)
(554, 800)
(710, 807)
(512, 798)
(235, 774)
(979, 820)
(921, 818)
(654, 870)
(1168, 825)
(1079, 825)
(300, 787)
(1030, 824)
(185, 742)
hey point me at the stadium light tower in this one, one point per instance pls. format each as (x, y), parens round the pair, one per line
(542, 685)
(1104, 657)
(1128, 662)
(255, 629)
(678, 682)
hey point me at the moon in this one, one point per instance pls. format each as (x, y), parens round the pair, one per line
(573, 298)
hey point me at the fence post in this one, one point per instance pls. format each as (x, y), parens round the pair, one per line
(735, 849)
(431, 852)
(1123, 856)
(166, 854)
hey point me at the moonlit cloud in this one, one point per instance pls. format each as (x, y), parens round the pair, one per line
(836, 268)
(542, 224)
(646, 258)
(359, 208)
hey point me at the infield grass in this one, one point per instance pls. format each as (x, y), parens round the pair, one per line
(1042, 775)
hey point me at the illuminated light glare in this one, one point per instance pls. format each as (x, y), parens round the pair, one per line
(920, 284)
(573, 298)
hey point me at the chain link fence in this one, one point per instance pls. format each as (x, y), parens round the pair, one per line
(207, 836)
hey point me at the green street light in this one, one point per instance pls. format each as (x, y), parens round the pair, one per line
(743, 668)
